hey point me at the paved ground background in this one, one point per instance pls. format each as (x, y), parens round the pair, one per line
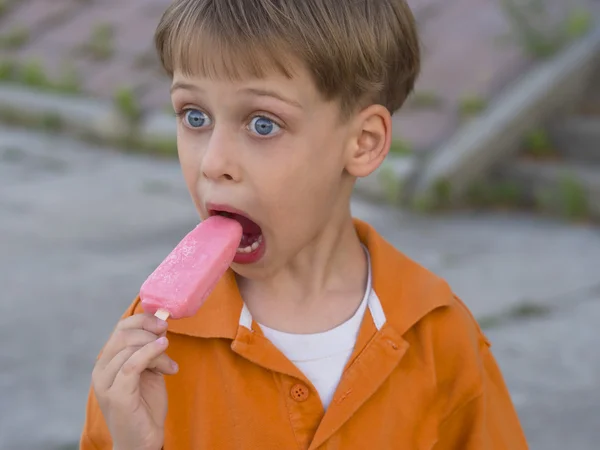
(470, 53)
(79, 232)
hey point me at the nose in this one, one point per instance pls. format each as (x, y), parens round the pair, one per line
(219, 159)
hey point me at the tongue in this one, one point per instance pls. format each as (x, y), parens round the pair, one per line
(250, 228)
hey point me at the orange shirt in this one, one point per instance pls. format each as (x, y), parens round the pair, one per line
(422, 377)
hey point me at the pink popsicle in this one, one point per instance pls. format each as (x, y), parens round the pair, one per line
(181, 283)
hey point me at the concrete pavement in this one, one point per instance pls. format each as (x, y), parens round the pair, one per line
(79, 233)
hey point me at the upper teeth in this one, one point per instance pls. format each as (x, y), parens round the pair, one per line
(252, 247)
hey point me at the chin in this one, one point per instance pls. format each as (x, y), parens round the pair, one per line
(261, 269)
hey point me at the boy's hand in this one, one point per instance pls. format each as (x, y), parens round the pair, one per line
(129, 385)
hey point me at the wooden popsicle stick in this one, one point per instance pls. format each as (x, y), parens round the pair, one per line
(162, 314)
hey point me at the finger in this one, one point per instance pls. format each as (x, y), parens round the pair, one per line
(144, 321)
(122, 339)
(162, 364)
(104, 377)
(128, 377)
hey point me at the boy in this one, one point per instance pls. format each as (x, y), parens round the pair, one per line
(322, 336)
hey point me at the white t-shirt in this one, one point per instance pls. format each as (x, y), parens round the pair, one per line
(322, 356)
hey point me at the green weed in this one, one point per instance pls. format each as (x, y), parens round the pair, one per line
(101, 44)
(528, 309)
(425, 100)
(471, 105)
(573, 198)
(128, 105)
(51, 122)
(4, 7)
(578, 22)
(503, 193)
(537, 143)
(8, 70)
(15, 38)
(539, 34)
(400, 147)
(167, 147)
(32, 74)
(69, 81)
(390, 183)
(442, 193)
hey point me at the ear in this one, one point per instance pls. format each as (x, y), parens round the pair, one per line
(370, 142)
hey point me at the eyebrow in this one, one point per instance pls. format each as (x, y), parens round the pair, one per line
(185, 86)
(269, 93)
(254, 91)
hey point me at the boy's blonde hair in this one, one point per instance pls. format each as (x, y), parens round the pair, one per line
(358, 51)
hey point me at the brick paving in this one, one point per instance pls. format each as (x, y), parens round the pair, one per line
(466, 54)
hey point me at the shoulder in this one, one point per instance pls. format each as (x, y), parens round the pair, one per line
(471, 396)
(445, 341)
(457, 349)
(455, 324)
(451, 331)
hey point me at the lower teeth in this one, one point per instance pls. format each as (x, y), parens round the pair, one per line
(251, 248)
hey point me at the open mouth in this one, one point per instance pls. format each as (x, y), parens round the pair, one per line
(252, 236)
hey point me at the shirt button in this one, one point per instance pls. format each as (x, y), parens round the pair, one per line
(393, 344)
(299, 392)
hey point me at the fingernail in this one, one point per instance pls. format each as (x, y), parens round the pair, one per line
(161, 340)
(161, 323)
(174, 365)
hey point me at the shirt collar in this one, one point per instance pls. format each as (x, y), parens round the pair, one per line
(407, 293)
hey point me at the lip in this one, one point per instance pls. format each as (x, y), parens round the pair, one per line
(250, 258)
(211, 208)
(240, 258)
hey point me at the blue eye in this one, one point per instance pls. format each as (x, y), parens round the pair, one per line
(263, 126)
(194, 118)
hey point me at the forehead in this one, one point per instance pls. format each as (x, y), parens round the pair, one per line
(295, 88)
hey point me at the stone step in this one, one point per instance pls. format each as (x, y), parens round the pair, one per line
(567, 188)
(387, 183)
(577, 138)
(550, 89)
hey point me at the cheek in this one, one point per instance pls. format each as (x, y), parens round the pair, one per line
(189, 160)
(188, 156)
(301, 191)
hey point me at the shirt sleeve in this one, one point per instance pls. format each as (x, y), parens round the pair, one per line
(488, 421)
(95, 434)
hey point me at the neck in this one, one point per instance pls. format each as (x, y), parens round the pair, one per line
(320, 287)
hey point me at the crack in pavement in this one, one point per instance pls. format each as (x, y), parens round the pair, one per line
(527, 309)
